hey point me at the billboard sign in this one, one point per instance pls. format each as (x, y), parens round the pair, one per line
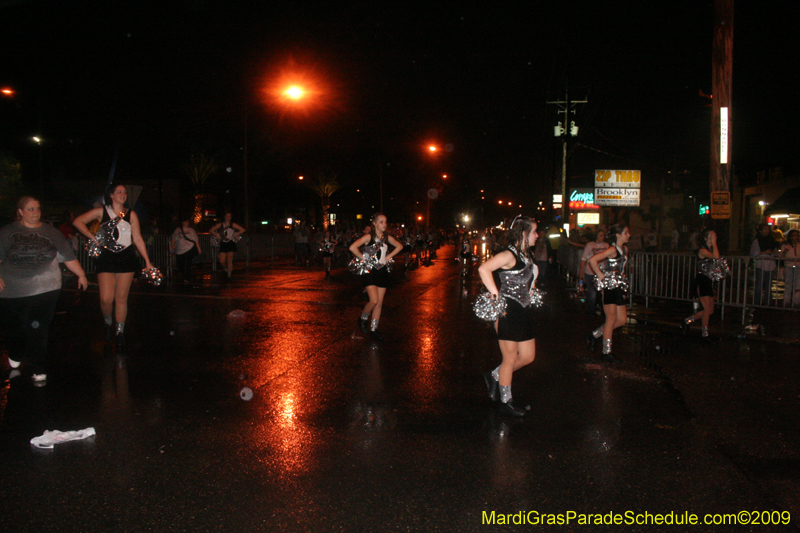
(618, 178)
(623, 196)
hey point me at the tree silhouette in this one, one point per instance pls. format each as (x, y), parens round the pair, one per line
(199, 169)
(325, 184)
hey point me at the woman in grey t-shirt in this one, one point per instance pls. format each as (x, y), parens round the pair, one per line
(30, 281)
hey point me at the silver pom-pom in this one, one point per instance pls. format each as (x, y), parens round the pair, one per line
(359, 267)
(613, 280)
(715, 269)
(93, 249)
(327, 247)
(215, 241)
(488, 308)
(537, 297)
(389, 264)
(153, 276)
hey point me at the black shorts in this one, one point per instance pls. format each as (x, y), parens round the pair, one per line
(517, 324)
(703, 286)
(379, 278)
(118, 263)
(613, 296)
(227, 246)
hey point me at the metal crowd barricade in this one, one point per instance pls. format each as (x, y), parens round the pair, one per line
(670, 276)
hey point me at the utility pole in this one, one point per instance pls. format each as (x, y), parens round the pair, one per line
(722, 76)
(565, 131)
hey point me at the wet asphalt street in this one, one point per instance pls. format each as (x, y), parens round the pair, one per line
(346, 434)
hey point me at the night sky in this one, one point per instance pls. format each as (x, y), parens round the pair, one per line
(155, 83)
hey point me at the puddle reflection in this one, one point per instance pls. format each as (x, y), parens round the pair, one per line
(115, 396)
(369, 414)
(426, 377)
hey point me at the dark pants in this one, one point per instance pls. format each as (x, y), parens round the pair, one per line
(542, 266)
(591, 294)
(26, 325)
(184, 262)
(763, 287)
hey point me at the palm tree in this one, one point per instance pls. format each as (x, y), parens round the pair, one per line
(199, 169)
(325, 184)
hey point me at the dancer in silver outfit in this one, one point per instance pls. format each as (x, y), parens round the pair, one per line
(613, 261)
(511, 274)
(702, 286)
(373, 244)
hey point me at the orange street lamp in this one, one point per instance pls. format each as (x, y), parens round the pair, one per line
(294, 92)
(300, 178)
(432, 148)
(7, 91)
(444, 176)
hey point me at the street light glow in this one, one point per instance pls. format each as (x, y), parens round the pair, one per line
(7, 92)
(432, 148)
(37, 140)
(294, 92)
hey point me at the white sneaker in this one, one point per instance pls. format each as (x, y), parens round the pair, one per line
(12, 363)
(39, 377)
(14, 374)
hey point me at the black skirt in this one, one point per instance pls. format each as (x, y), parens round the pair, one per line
(517, 324)
(613, 296)
(379, 278)
(118, 263)
(703, 286)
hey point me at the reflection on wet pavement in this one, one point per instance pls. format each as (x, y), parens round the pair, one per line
(344, 434)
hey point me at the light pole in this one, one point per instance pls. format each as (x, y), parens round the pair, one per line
(569, 129)
(8, 92)
(38, 141)
(289, 94)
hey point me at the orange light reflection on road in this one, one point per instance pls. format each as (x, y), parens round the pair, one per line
(288, 387)
(427, 367)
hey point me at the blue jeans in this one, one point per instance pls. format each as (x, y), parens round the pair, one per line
(763, 286)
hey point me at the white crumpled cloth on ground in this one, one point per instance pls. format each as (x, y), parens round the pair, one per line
(51, 438)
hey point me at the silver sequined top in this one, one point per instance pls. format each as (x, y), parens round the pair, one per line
(616, 264)
(516, 282)
(376, 248)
